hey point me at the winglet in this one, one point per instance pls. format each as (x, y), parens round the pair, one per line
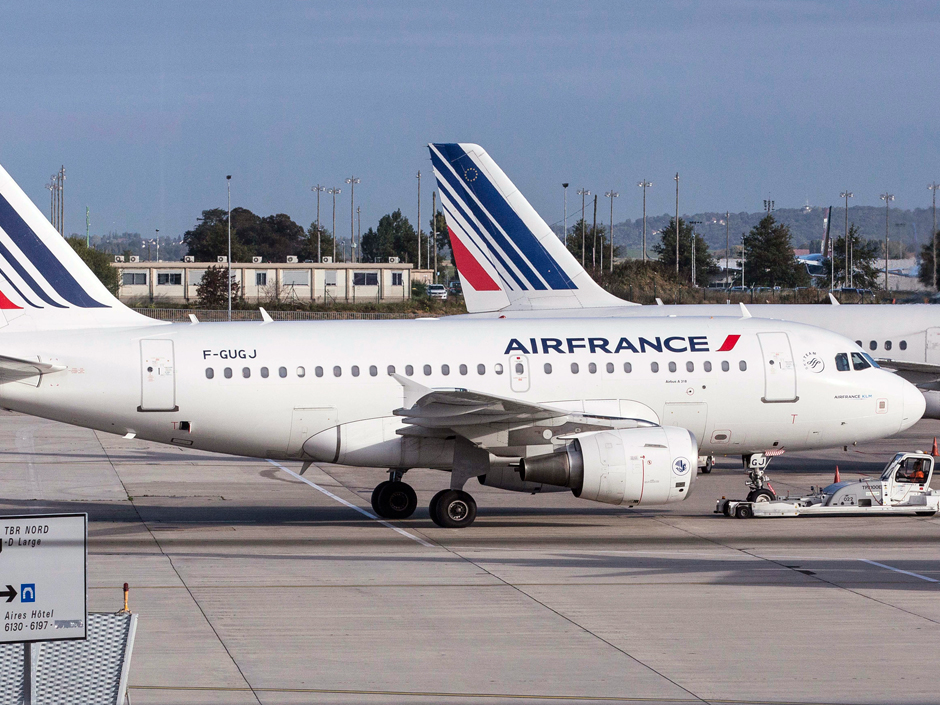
(659, 302)
(265, 316)
(193, 319)
(413, 390)
(744, 312)
(833, 300)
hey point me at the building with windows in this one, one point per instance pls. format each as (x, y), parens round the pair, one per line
(177, 282)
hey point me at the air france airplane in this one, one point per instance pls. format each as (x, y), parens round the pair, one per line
(511, 264)
(614, 410)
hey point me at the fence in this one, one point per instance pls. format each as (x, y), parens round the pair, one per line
(181, 315)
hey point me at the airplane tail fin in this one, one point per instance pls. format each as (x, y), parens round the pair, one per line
(507, 256)
(44, 284)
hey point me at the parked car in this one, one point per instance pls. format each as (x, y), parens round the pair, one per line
(453, 286)
(437, 291)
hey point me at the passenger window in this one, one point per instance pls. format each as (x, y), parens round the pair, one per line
(548, 368)
(227, 372)
(654, 366)
(627, 367)
(842, 362)
(282, 372)
(318, 371)
(707, 366)
(373, 370)
(264, 372)
(481, 369)
(610, 368)
(498, 368)
(575, 368)
(354, 369)
(409, 370)
(246, 372)
(859, 362)
(445, 369)
(689, 367)
(903, 345)
(873, 345)
(390, 369)
(337, 371)
(210, 373)
(742, 366)
(427, 370)
(463, 369)
(672, 367)
(887, 345)
(301, 371)
(725, 366)
(592, 368)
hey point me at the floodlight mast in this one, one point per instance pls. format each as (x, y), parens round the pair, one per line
(887, 198)
(583, 192)
(228, 260)
(352, 181)
(611, 195)
(848, 255)
(318, 189)
(564, 232)
(644, 184)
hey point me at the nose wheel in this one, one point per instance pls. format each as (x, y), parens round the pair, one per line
(453, 509)
(394, 499)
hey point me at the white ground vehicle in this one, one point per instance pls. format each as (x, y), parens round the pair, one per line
(437, 291)
(903, 488)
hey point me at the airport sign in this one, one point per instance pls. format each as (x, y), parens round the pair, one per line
(43, 577)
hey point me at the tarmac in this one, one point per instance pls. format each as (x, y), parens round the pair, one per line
(256, 586)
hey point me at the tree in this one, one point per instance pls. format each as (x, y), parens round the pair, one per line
(209, 239)
(273, 237)
(98, 262)
(926, 262)
(595, 242)
(394, 237)
(768, 256)
(211, 291)
(309, 248)
(665, 249)
(865, 273)
(438, 223)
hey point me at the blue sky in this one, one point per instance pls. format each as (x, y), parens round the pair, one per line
(149, 106)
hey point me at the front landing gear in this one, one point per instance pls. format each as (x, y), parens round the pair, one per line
(394, 499)
(757, 479)
(453, 509)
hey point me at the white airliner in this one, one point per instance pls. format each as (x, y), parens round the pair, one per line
(616, 410)
(511, 264)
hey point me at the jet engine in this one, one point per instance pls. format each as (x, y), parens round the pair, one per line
(628, 466)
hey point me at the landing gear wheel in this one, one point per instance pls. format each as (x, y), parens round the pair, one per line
(743, 511)
(396, 500)
(453, 509)
(375, 496)
(709, 462)
(761, 495)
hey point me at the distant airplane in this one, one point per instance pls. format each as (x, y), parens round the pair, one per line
(512, 265)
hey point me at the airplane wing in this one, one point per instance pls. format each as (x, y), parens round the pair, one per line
(15, 369)
(501, 425)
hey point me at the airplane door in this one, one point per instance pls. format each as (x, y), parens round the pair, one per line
(779, 370)
(519, 373)
(933, 346)
(692, 416)
(157, 376)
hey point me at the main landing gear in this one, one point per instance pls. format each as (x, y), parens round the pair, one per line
(757, 479)
(453, 509)
(394, 499)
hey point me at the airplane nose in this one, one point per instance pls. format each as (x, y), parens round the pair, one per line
(914, 405)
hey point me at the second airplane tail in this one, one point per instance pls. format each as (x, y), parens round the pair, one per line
(507, 256)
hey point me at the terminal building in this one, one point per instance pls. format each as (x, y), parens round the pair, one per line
(177, 282)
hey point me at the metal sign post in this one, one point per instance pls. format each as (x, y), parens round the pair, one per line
(43, 581)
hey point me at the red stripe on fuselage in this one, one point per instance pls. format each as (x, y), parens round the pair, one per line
(6, 303)
(471, 270)
(729, 343)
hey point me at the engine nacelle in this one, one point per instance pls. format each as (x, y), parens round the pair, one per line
(627, 466)
(504, 477)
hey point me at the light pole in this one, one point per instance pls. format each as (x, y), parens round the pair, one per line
(228, 260)
(933, 238)
(887, 198)
(157, 239)
(727, 244)
(564, 232)
(677, 224)
(434, 229)
(582, 192)
(693, 223)
(359, 230)
(334, 192)
(318, 189)
(644, 184)
(352, 181)
(419, 219)
(611, 195)
(848, 257)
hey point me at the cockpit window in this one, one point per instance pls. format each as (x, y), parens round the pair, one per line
(871, 360)
(859, 362)
(842, 362)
